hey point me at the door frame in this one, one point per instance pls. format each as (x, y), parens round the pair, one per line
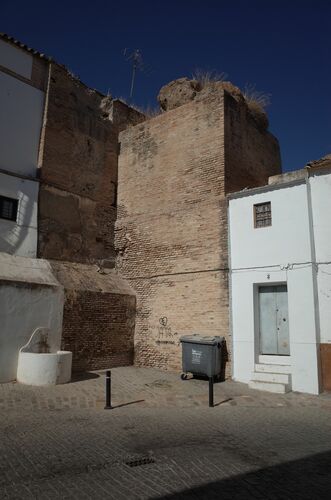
(267, 358)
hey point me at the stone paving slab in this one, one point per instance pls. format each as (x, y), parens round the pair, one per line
(149, 388)
(59, 442)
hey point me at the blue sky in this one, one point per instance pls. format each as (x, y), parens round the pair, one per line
(281, 47)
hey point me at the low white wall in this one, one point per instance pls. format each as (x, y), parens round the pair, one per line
(44, 369)
(20, 238)
(30, 296)
(20, 125)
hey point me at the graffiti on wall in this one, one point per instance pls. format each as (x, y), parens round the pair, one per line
(165, 333)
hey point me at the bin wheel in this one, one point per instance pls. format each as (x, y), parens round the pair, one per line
(183, 376)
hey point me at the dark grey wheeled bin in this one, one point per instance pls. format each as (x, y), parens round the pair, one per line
(201, 355)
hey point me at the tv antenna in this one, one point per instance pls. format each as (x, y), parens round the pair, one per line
(136, 60)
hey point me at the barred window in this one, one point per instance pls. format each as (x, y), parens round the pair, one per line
(262, 214)
(8, 208)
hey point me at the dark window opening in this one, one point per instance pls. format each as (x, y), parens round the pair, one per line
(8, 208)
(262, 214)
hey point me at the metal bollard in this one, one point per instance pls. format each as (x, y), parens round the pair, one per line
(211, 392)
(108, 390)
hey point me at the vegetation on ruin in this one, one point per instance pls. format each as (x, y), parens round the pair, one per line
(208, 77)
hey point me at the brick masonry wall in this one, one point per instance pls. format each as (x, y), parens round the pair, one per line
(171, 232)
(76, 218)
(170, 227)
(252, 154)
(99, 315)
(78, 170)
(98, 328)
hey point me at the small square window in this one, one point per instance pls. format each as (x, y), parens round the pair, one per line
(262, 214)
(8, 208)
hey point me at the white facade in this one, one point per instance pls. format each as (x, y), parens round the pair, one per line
(30, 297)
(295, 250)
(21, 116)
(20, 237)
(16, 60)
(321, 208)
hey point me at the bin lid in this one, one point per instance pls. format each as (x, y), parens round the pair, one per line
(196, 338)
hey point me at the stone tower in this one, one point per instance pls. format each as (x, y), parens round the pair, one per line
(175, 171)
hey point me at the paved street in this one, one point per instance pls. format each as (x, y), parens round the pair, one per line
(162, 441)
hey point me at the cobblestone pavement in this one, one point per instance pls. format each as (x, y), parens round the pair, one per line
(162, 441)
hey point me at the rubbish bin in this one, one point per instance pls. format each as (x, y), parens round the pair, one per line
(201, 355)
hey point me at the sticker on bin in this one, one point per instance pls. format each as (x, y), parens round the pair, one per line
(196, 356)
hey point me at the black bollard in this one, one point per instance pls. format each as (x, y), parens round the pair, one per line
(211, 392)
(108, 390)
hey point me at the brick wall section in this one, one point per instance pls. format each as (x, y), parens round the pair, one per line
(171, 232)
(99, 329)
(171, 223)
(99, 316)
(251, 153)
(79, 155)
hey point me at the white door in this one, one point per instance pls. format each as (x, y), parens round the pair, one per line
(273, 320)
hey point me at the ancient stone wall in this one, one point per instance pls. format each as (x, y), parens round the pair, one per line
(76, 228)
(78, 170)
(76, 217)
(171, 232)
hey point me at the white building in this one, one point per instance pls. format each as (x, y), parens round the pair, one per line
(30, 295)
(22, 91)
(280, 264)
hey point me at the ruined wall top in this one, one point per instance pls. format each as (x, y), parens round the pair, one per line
(184, 90)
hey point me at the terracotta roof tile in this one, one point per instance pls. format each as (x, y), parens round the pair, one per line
(13, 41)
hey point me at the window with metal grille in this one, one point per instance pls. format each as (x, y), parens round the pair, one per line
(8, 208)
(262, 214)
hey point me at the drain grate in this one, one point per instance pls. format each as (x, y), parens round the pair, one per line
(137, 462)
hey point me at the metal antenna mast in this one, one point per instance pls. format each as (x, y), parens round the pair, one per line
(135, 58)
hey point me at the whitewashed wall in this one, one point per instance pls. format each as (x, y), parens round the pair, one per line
(286, 240)
(320, 183)
(15, 59)
(21, 116)
(277, 254)
(30, 296)
(20, 238)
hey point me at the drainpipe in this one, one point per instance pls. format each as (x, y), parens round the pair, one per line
(41, 147)
(314, 270)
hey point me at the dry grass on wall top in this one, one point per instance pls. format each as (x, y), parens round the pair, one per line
(257, 101)
(255, 98)
(206, 78)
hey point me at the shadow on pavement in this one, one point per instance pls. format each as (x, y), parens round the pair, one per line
(79, 377)
(223, 401)
(129, 403)
(307, 478)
